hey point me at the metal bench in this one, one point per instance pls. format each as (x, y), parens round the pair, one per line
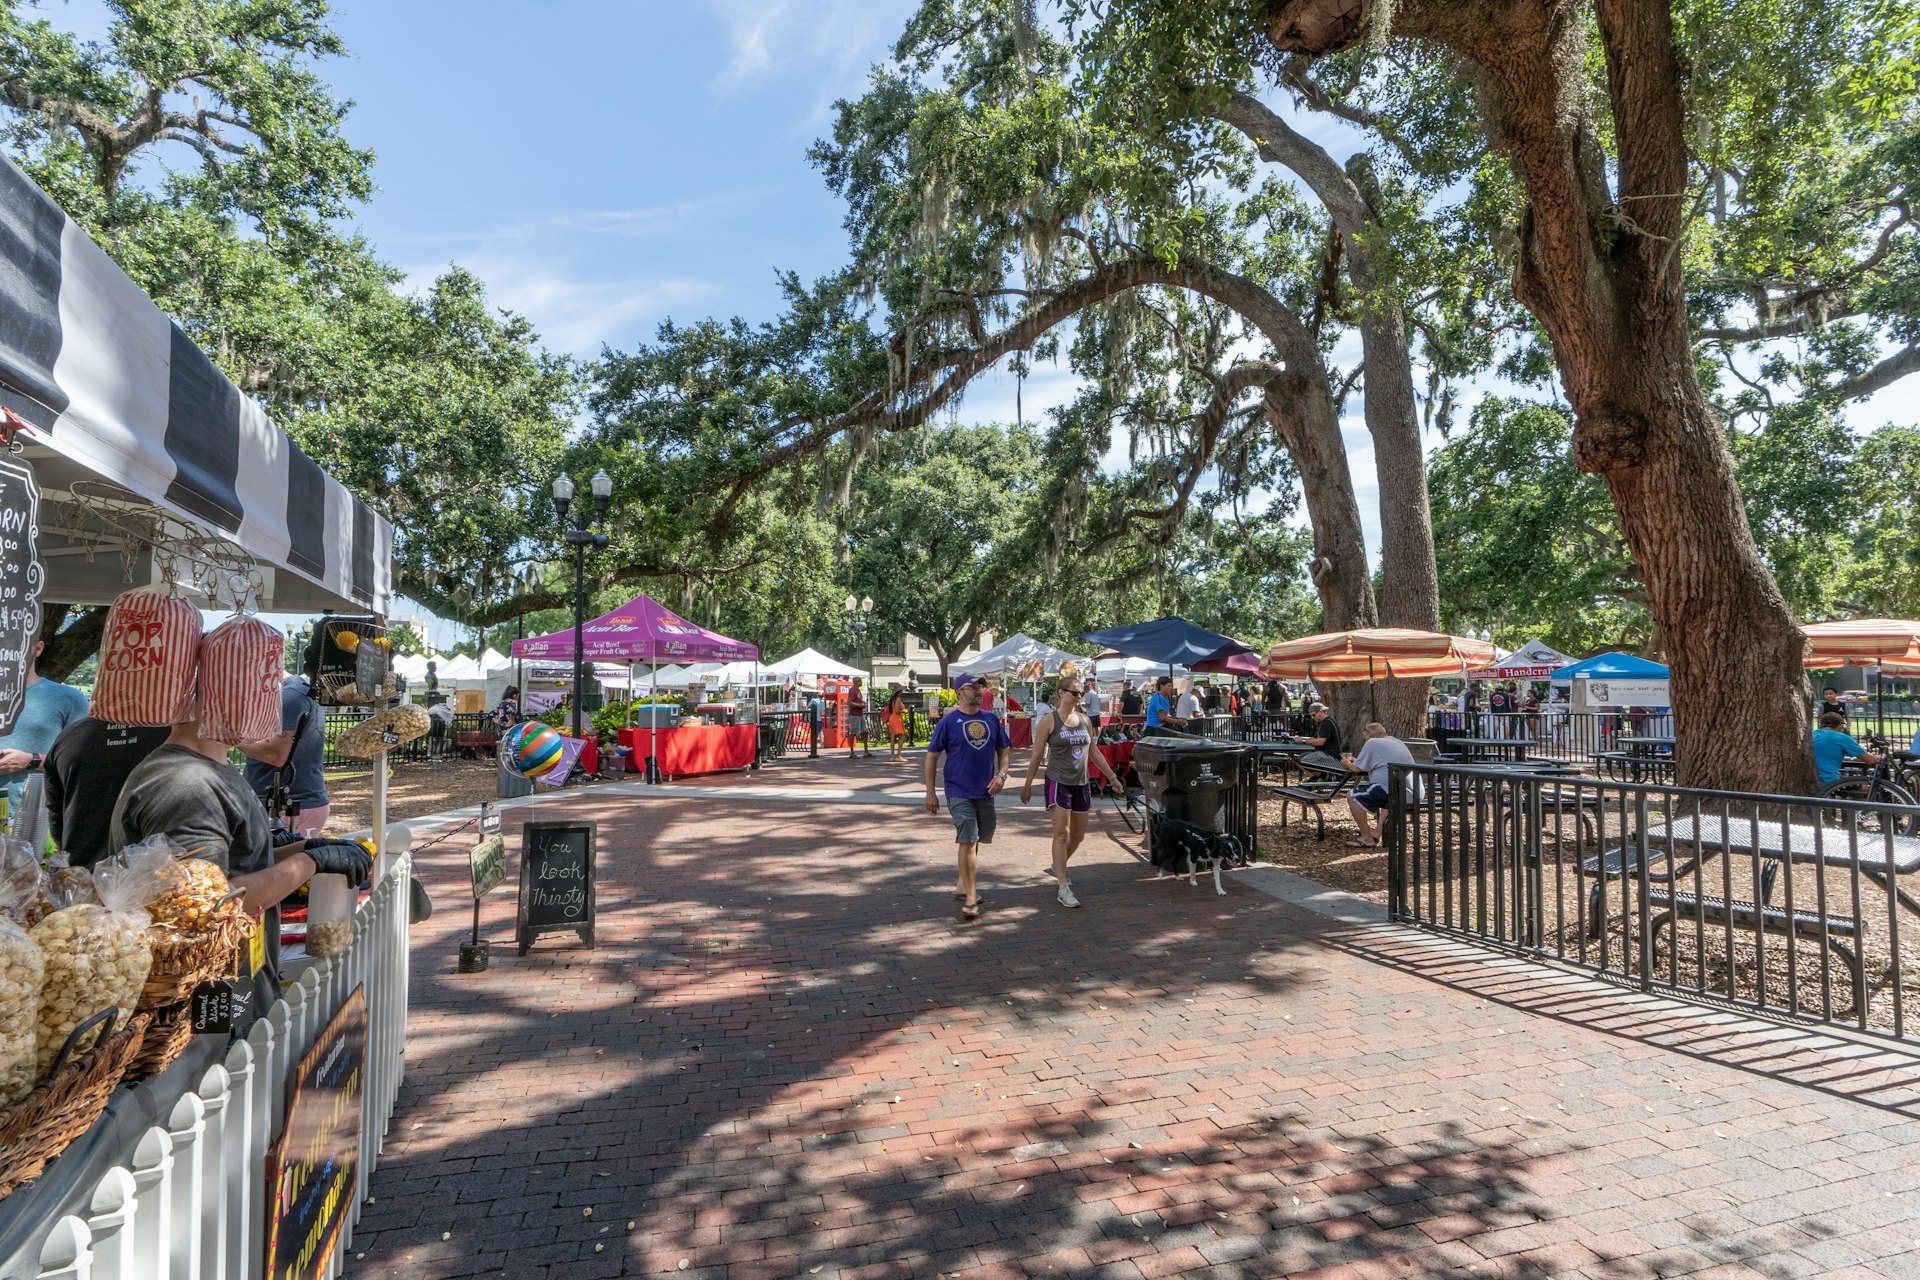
(1830, 930)
(1321, 788)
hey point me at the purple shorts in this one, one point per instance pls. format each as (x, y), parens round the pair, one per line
(1062, 795)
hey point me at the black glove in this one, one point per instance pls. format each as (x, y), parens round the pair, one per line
(282, 836)
(340, 858)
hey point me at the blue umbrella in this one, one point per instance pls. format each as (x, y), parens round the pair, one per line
(1174, 641)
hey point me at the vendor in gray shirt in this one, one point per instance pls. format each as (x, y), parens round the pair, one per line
(1378, 752)
(186, 790)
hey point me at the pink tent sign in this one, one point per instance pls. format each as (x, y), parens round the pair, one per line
(641, 630)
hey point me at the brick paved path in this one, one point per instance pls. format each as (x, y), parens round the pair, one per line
(788, 1057)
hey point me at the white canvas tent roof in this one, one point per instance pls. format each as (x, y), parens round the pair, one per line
(493, 660)
(1117, 669)
(1012, 654)
(1534, 660)
(809, 662)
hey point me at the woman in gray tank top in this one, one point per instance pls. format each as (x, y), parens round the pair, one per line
(1066, 737)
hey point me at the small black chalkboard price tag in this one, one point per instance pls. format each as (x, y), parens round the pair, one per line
(213, 1007)
(21, 581)
(556, 880)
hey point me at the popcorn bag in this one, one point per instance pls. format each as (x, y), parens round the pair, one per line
(240, 663)
(148, 659)
(96, 954)
(21, 971)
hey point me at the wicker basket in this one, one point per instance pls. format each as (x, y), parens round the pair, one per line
(181, 964)
(40, 1126)
(168, 1036)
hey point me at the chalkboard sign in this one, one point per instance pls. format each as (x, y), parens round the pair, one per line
(21, 582)
(556, 879)
(313, 1168)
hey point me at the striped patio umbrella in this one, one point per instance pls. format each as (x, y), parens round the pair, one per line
(1379, 653)
(1862, 642)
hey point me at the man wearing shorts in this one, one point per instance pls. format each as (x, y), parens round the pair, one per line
(1378, 751)
(1067, 738)
(974, 745)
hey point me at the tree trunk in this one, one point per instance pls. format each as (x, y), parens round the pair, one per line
(1603, 276)
(73, 644)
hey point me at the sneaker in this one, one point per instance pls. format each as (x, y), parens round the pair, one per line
(1066, 897)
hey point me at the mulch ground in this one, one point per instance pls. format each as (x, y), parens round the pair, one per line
(786, 1056)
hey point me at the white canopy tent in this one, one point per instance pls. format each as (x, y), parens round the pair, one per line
(1135, 669)
(810, 662)
(1016, 653)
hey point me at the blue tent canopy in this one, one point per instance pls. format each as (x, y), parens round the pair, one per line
(1611, 666)
(1169, 640)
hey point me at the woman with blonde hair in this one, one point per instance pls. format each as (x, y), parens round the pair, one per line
(1065, 736)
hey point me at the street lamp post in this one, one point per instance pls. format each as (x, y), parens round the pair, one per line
(580, 537)
(858, 612)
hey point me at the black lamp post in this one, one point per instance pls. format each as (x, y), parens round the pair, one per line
(858, 611)
(580, 537)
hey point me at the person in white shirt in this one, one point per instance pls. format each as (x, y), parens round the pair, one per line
(1189, 708)
(1379, 751)
(1094, 704)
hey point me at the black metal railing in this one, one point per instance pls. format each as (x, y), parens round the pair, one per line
(1787, 906)
(471, 736)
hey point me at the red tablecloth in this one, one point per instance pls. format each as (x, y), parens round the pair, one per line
(1119, 757)
(1020, 732)
(684, 752)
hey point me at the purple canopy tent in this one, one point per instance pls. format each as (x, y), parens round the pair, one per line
(640, 631)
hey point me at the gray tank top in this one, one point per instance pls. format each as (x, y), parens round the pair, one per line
(1067, 753)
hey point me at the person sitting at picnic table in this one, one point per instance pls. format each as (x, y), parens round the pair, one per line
(1324, 735)
(1832, 744)
(1378, 751)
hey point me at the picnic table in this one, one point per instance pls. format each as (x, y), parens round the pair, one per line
(1881, 856)
(1640, 762)
(1490, 750)
(1281, 757)
(1645, 746)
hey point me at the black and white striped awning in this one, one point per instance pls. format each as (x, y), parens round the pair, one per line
(126, 411)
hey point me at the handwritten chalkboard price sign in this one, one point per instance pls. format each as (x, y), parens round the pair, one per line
(21, 580)
(557, 880)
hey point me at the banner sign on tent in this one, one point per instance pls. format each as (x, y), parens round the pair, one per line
(1535, 660)
(21, 580)
(1609, 694)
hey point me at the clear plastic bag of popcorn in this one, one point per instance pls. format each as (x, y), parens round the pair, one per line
(21, 969)
(68, 886)
(19, 882)
(194, 892)
(96, 954)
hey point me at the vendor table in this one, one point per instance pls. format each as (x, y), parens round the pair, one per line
(1019, 732)
(694, 749)
(1119, 757)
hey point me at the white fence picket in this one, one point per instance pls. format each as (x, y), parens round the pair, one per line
(190, 1204)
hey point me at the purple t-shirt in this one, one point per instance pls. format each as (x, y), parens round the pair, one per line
(971, 744)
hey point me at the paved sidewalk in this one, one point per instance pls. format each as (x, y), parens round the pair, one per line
(788, 1057)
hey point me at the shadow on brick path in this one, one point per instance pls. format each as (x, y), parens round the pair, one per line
(787, 1057)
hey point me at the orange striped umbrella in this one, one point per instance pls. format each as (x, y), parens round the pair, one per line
(1374, 653)
(1862, 642)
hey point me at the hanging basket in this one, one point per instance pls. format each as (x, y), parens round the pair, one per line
(41, 1125)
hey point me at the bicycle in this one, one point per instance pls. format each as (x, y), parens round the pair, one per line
(1892, 782)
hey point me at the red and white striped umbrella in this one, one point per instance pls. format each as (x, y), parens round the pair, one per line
(1863, 642)
(1375, 653)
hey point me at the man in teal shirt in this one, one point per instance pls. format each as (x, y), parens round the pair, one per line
(46, 707)
(1833, 744)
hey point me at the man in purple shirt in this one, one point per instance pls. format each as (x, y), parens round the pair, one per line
(974, 745)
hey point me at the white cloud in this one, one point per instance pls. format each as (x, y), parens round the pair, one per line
(576, 309)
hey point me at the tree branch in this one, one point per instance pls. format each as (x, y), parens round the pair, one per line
(1884, 374)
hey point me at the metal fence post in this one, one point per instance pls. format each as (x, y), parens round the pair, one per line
(813, 731)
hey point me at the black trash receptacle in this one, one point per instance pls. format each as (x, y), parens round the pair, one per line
(1208, 782)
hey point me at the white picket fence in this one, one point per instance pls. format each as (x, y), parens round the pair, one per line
(190, 1203)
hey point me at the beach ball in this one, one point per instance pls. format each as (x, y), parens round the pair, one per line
(532, 749)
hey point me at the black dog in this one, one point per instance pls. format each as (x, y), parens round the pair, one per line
(1180, 848)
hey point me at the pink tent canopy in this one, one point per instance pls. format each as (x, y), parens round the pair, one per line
(641, 630)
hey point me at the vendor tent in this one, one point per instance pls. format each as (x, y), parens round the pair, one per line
(1168, 641)
(1610, 666)
(810, 662)
(1016, 653)
(149, 463)
(1124, 668)
(1535, 660)
(640, 631)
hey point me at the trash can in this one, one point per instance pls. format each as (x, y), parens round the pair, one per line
(1206, 781)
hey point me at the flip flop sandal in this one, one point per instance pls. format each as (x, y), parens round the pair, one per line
(970, 910)
(1361, 844)
(961, 897)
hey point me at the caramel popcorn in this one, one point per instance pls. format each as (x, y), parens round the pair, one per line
(93, 958)
(194, 887)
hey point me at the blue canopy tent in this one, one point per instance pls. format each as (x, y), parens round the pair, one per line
(1610, 666)
(1174, 641)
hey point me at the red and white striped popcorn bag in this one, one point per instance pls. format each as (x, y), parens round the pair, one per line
(148, 659)
(240, 680)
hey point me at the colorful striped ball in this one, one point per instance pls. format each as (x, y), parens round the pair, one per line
(532, 749)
